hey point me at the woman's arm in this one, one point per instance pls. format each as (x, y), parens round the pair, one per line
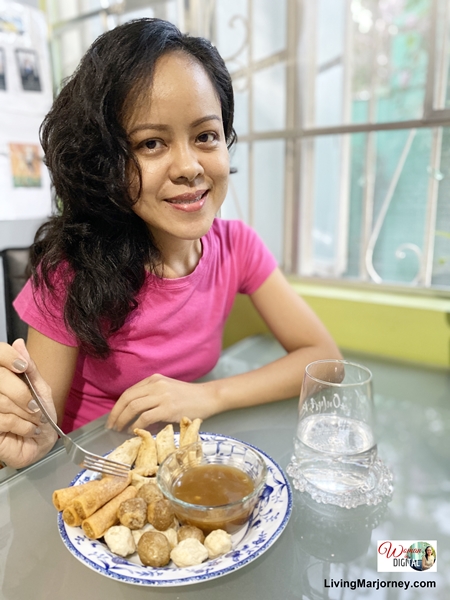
(294, 325)
(299, 331)
(56, 364)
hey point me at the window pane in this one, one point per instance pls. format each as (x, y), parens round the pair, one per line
(441, 263)
(268, 184)
(236, 203)
(268, 28)
(232, 32)
(329, 53)
(240, 87)
(389, 59)
(329, 96)
(356, 208)
(441, 92)
(399, 246)
(269, 98)
(72, 43)
(326, 232)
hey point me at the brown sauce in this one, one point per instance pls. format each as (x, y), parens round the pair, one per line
(212, 485)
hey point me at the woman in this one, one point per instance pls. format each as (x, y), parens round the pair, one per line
(428, 558)
(133, 280)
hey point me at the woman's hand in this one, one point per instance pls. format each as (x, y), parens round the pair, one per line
(24, 439)
(161, 399)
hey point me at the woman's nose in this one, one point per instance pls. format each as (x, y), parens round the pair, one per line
(185, 163)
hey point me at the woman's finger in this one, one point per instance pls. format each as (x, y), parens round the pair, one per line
(15, 425)
(14, 357)
(147, 418)
(130, 411)
(7, 406)
(39, 384)
(16, 390)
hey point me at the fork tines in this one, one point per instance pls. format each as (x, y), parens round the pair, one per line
(105, 466)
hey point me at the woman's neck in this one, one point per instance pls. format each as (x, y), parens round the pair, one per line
(180, 258)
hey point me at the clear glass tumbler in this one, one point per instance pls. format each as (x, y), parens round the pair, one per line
(335, 456)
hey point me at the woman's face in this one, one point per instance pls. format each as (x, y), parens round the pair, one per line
(177, 136)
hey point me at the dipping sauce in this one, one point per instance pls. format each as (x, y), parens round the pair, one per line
(212, 485)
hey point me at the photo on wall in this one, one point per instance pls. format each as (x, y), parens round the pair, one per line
(27, 62)
(25, 165)
(2, 69)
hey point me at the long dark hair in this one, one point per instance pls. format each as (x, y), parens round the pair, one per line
(95, 232)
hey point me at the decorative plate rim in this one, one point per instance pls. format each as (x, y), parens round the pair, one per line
(187, 575)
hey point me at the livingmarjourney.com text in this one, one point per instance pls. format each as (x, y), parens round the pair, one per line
(376, 584)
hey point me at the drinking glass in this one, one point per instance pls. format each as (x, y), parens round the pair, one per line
(335, 449)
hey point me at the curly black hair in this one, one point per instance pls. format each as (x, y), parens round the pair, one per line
(95, 232)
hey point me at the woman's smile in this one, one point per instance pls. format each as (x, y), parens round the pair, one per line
(189, 202)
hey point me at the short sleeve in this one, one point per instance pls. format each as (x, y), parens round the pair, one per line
(255, 260)
(44, 311)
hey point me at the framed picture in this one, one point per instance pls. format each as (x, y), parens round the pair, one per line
(27, 62)
(25, 165)
(2, 69)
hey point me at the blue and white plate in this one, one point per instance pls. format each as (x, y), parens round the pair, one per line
(266, 524)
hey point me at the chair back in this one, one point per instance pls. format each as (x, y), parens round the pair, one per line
(15, 261)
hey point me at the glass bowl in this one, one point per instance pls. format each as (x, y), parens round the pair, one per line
(229, 517)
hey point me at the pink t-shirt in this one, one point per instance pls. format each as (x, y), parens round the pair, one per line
(175, 331)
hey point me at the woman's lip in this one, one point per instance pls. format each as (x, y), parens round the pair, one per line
(188, 202)
(187, 197)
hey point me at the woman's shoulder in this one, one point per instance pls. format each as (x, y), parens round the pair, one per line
(233, 233)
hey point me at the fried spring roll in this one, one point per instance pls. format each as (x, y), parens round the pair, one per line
(92, 499)
(71, 517)
(97, 524)
(65, 496)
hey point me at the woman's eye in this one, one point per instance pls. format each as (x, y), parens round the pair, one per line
(152, 144)
(206, 138)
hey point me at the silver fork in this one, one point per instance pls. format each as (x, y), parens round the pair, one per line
(76, 453)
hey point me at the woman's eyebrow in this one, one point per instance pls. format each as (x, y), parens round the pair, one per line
(160, 127)
(207, 118)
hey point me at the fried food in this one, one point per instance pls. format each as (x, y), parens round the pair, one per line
(171, 535)
(138, 533)
(71, 517)
(150, 492)
(97, 524)
(139, 480)
(154, 549)
(64, 497)
(184, 424)
(146, 460)
(190, 531)
(94, 498)
(119, 540)
(127, 452)
(188, 553)
(218, 542)
(165, 444)
(133, 513)
(160, 514)
(189, 433)
(118, 508)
